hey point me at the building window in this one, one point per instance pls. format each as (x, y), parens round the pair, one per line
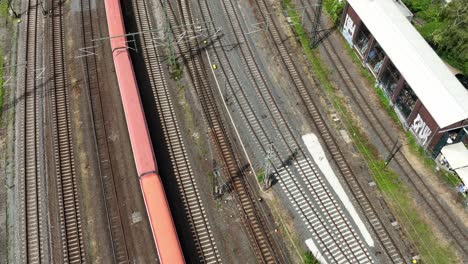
(362, 40)
(406, 100)
(389, 79)
(375, 58)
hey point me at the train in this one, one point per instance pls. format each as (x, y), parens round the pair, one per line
(157, 207)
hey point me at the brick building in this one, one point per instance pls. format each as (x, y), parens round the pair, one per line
(427, 97)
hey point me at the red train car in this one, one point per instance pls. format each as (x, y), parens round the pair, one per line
(157, 207)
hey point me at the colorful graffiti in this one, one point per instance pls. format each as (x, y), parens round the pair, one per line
(421, 130)
(348, 29)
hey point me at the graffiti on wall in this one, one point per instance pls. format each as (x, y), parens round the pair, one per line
(421, 130)
(348, 29)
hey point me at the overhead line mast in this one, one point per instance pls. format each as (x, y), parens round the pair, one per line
(169, 37)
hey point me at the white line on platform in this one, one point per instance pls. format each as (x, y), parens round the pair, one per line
(315, 149)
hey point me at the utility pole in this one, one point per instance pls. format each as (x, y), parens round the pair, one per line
(267, 178)
(220, 186)
(317, 34)
(396, 147)
(10, 6)
(170, 38)
(316, 24)
(217, 188)
(44, 11)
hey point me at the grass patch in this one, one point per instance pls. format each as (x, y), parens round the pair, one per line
(4, 9)
(1, 84)
(4, 25)
(186, 109)
(447, 177)
(176, 71)
(385, 103)
(383, 100)
(260, 176)
(334, 8)
(211, 178)
(394, 191)
(309, 258)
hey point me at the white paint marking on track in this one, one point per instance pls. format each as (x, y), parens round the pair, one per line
(315, 149)
(229, 113)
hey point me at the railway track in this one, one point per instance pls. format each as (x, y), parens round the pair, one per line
(386, 240)
(112, 204)
(253, 221)
(68, 198)
(450, 224)
(198, 221)
(30, 170)
(101, 135)
(303, 166)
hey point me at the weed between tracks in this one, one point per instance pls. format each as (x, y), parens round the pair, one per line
(189, 118)
(260, 175)
(186, 109)
(3, 17)
(310, 259)
(7, 37)
(1, 84)
(176, 71)
(395, 192)
(4, 9)
(285, 225)
(6, 32)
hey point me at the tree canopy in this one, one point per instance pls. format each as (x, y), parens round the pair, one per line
(445, 27)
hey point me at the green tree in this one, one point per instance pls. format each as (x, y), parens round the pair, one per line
(417, 5)
(444, 26)
(451, 38)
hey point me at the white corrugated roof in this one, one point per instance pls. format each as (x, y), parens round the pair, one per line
(440, 92)
(456, 155)
(463, 174)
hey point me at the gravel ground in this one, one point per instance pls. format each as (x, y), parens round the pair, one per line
(280, 86)
(228, 231)
(8, 30)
